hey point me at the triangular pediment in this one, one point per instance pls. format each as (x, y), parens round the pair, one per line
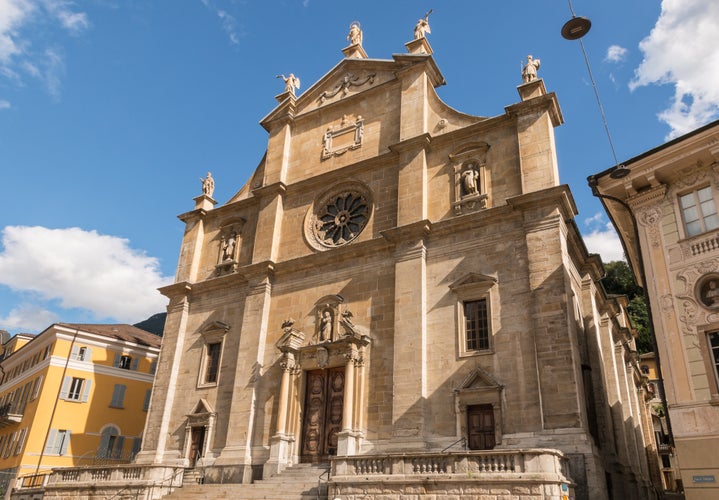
(215, 328)
(479, 379)
(473, 281)
(202, 407)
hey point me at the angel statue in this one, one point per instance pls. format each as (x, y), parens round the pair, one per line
(208, 184)
(355, 35)
(529, 72)
(422, 27)
(291, 83)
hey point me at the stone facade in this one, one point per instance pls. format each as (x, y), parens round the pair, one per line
(399, 278)
(664, 204)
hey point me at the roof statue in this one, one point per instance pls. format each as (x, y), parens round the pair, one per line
(208, 184)
(291, 83)
(529, 72)
(422, 26)
(355, 34)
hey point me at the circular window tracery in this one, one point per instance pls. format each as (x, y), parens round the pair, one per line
(339, 217)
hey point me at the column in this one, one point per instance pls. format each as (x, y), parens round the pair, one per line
(347, 439)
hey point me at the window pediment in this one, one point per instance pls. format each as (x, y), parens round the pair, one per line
(214, 330)
(472, 284)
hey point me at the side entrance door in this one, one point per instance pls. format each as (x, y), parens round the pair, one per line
(480, 427)
(197, 441)
(324, 400)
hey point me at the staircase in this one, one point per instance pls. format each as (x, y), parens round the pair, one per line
(299, 482)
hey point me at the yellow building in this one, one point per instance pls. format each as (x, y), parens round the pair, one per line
(664, 204)
(73, 395)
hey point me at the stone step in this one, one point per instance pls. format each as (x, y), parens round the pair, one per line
(299, 482)
(246, 492)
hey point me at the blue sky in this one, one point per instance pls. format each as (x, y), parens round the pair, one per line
(111, 110)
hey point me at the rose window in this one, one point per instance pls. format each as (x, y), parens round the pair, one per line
(339, 218)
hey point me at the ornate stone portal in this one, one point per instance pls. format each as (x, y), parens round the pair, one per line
(331, 369)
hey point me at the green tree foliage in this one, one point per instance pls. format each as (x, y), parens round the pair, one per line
(619, 281)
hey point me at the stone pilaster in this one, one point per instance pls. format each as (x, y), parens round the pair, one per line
(409, 369)
(536, 116)
(251, 353)
(161, 417)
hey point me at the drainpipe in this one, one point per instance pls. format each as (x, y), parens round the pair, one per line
(57, 399)
(593, 182)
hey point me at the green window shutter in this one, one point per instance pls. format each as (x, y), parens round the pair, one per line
(135, 362)
(86, 390)
(38, 387)
(146, 403)
(65, 387)
(116, 362)
(136, 443)
(50, 445)
(119, 444)
(65, 443)
(102, 451)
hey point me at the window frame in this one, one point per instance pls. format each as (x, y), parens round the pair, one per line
(474, 288)
(118, 396)
(213, 334)
(695, 192)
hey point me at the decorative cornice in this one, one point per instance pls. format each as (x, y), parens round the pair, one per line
(421, 141)
(649, 197)
(411, 232)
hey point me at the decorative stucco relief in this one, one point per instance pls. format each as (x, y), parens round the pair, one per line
(693, 175)
(343, 137)
(347, 81)
(649, 218)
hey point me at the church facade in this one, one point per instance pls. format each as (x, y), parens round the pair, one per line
(400, 291)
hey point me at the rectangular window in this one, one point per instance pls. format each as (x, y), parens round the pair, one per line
(118, 396)
(153, 367)
(57, 442)
(714, 346)
(699, 211)
(476, 325)
(20, 442)
(212, 362)
(75, 388)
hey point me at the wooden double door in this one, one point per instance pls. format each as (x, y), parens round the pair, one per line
(324, 401)
(480, 427)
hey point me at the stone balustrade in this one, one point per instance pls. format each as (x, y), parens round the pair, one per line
(531, 473)
(143, 482)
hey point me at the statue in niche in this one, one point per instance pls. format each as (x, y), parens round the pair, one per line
(228, 247)
(422, 26)
(529, 72)
(470, 181)
(711, 296)
(325, 331)
(291, 83)
(355, 34)
(208, 184)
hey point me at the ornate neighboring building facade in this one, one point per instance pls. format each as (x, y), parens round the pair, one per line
(399, 291)
(664, 206)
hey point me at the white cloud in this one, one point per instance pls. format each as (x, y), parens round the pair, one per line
(602, 238)
(28, 318)
(82, 269)
(5, 104)
(228, 21)
(683, 50)
(21, 53)
(616, 54)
